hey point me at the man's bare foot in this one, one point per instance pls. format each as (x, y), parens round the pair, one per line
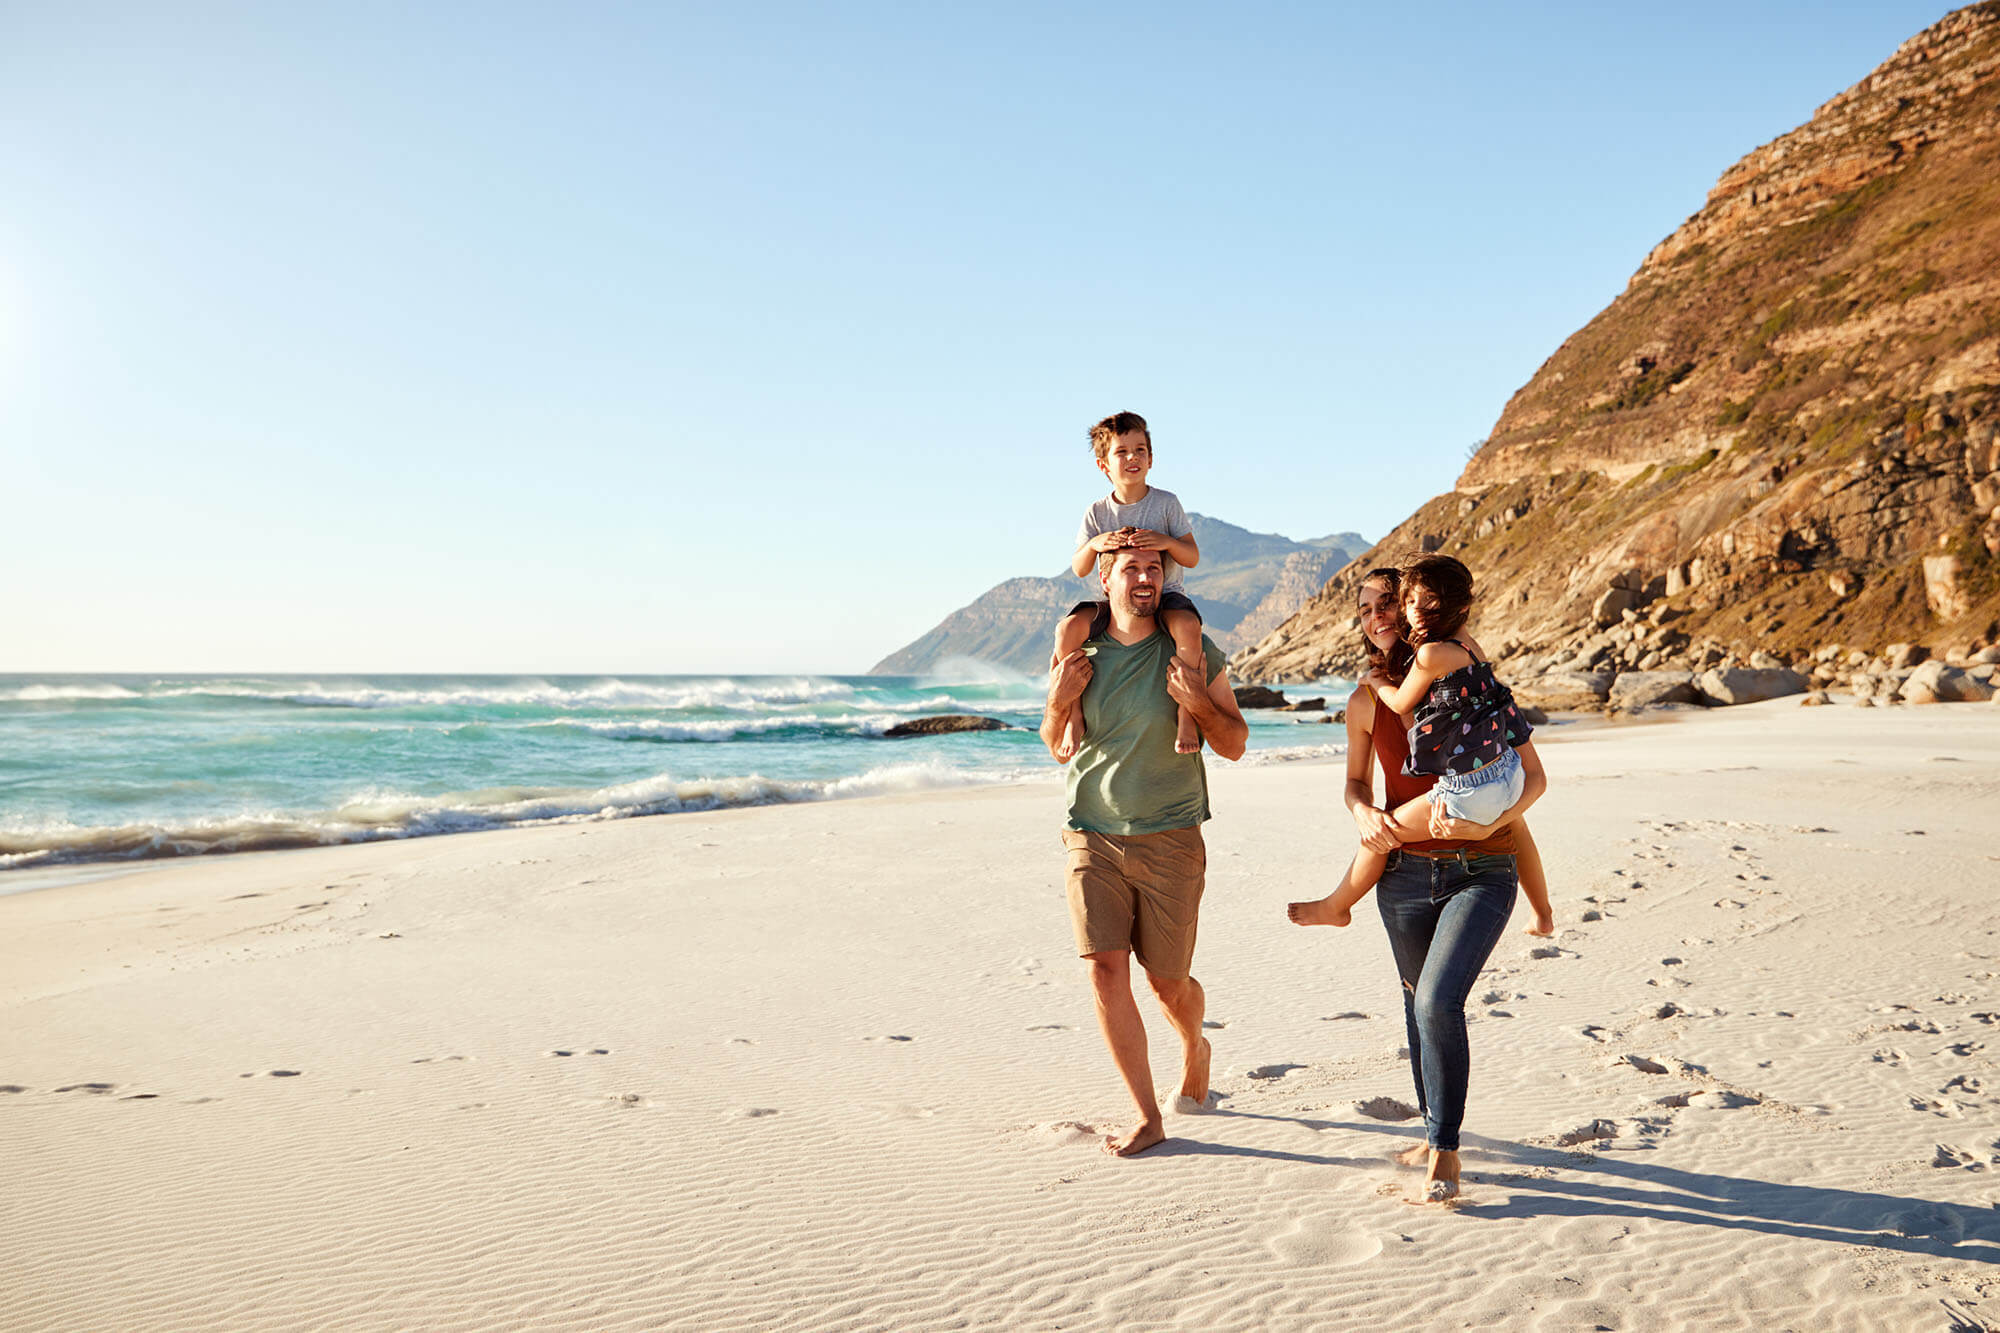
(1319, 912)
(1130, 1144)
(1417, 1156)
(1188, 739)
(1194, 1071)
(1545, 924)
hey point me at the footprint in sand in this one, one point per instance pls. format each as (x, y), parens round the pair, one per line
(1067, 1132)
(756, 1112)
(1948, 1109)
(1050, 1027)
(1386, 1108)
(895, 1036)
(95, 1089)
(1215, 1024)
(1546, 951)
(595, 1050)
(1324, 1242)
(437, 1059)
(1271, 1071)
(1351, 1013)
(1952, 1155)
(1641, 1063)
(11, 1087)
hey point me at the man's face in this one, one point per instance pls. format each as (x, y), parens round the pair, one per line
(1133, 583)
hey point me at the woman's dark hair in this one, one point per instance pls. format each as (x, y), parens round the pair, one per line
(1393, 662)
(1449, 583)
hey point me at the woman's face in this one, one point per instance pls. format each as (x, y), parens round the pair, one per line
(1377, 609)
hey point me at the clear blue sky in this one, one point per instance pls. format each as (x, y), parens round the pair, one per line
(626, 338)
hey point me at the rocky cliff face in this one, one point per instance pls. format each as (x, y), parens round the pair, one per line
(1247, 583)
(1784, 434)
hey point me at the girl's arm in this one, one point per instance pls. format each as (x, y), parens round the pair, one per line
(1534, 782)
(1433, 660)
(1377, 835)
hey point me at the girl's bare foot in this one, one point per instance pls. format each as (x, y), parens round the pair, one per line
(1319, 912)
(1137, 1140)
(1545, 924)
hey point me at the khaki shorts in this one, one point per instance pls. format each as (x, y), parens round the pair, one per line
(1138, 891)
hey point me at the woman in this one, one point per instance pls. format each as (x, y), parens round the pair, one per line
(1445, 895)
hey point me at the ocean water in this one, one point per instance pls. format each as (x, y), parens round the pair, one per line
(108, 768)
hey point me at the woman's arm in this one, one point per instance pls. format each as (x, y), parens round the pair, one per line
(1359, 795)
(1534, 782)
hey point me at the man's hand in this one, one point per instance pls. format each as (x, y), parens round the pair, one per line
(1186, 686)
(1377, 833)
(1066, 682)
(1145, 539)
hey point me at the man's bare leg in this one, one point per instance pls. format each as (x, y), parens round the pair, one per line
(1125, 1033)
(1184, 1003)
(1072, 631)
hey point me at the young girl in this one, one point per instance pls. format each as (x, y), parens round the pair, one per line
(1463, 729)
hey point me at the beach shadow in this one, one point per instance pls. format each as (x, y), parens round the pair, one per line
(1588, 1185)
(1608, 1186)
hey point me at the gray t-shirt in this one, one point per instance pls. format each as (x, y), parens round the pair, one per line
(1157, 510)
(1127, 779)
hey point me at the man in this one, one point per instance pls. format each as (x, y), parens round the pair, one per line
(1136, 807)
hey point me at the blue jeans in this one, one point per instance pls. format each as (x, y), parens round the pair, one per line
(1443, 917)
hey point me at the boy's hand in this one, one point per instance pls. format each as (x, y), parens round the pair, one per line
(1145, 539)
(1109, 541)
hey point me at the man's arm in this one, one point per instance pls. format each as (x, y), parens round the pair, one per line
(1066, 684)
(1213, 706)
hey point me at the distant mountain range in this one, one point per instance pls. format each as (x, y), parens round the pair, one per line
(1246, 585)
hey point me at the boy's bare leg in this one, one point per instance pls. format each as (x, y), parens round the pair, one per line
(1534, 880)
(1337, 908)
(1071, 632)
(1184, 1003)
(1125, 1033)
(1185, 627)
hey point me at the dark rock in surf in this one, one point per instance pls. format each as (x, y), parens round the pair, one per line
(943, 723)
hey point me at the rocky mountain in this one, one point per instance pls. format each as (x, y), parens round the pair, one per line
(1246, 584)
(1781, 437)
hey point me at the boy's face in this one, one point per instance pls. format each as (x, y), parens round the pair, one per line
(1128, 460)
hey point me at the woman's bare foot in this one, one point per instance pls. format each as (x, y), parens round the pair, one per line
(1545, 924)
(1194, 1072)
(1137, 1140)
(1441, 1181)
(1319, 912)
(1187, 740)
(1417, 1156)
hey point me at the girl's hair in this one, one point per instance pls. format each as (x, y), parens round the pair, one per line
(1394, 661)
(1449, 583)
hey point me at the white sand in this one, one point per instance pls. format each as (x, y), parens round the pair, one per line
(834, 1067)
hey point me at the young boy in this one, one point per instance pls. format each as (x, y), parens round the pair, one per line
(1133, 516)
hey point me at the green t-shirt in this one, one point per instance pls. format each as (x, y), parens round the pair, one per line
(1127, 779)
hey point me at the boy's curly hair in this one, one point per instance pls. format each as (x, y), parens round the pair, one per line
(1109, 429)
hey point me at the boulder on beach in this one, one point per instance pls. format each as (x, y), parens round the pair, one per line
(1560, 690)
(1306, 706)
(1936, 683)
(1649, 689)
(945, 722)
(1749, 685)
(1258, 696)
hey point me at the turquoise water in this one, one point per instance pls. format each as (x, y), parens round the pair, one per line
(97, 768)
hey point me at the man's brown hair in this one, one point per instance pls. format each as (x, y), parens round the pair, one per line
(1109, 429)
